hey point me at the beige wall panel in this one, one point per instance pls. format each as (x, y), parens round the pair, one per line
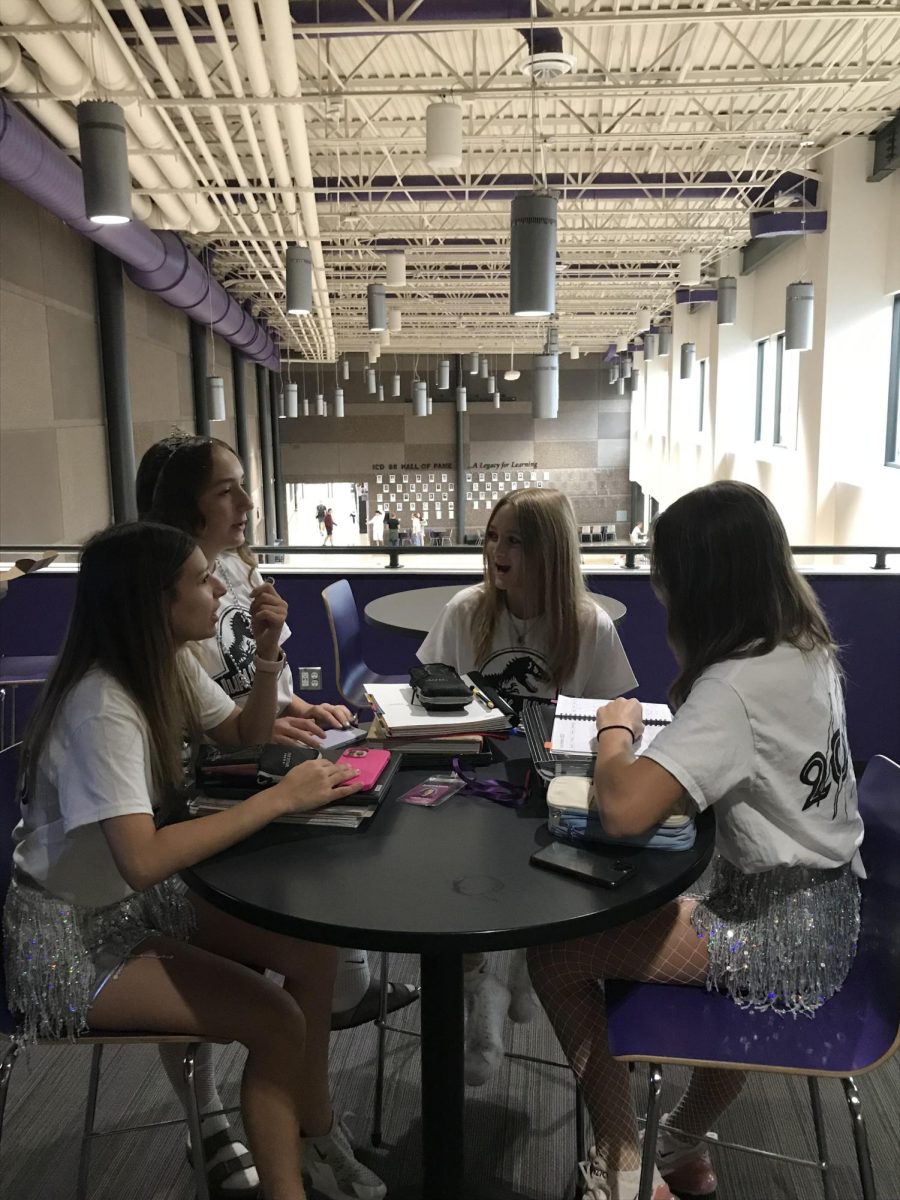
(440, 426)
(496, 427)
(30, 499)
(613, 453)
(614, 424)
(361, 430)
(299, 461)
(500, 452)
(68, 264)
(20, 260)
(167, 324)
(83, 480)
(153, 378)
(356, 460)
(25, 387)
(575, 423)
(74, 366)
(567, 454)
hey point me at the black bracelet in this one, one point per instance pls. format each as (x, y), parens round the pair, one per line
(627, 728)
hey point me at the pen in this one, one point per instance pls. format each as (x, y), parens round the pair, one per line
(481, 696)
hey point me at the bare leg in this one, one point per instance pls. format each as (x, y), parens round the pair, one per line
(172, 987)
(309, 972)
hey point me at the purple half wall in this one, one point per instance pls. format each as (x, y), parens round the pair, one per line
(864, 612)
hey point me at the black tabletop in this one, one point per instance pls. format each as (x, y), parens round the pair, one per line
(433, 880)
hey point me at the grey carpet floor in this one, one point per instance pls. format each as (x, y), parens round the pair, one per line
(520, 1127)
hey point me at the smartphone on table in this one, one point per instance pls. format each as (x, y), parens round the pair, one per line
(369, 763)
(582, 864)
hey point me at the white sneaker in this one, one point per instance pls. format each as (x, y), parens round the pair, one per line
(334, 1170)
(487, 1003)
(600, 1183)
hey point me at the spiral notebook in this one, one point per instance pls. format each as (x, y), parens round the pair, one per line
(575, 731)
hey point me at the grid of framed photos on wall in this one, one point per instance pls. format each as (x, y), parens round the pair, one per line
(432, 494)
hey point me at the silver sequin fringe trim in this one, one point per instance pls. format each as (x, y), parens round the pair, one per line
(781, 940)
(50, 949)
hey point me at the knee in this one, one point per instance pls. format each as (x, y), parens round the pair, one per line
(273, 1023)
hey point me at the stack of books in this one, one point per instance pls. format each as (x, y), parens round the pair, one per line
(399, 716)
(450, 744)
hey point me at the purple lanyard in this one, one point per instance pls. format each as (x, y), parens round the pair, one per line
(498, 790)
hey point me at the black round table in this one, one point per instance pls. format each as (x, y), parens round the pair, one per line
(435, 882)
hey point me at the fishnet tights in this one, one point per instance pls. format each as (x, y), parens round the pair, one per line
(662, 947)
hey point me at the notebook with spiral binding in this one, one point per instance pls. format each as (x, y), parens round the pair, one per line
(574, 733)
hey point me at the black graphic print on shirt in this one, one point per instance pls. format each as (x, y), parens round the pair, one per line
(828, 766)
(518, 671)
(234, 636)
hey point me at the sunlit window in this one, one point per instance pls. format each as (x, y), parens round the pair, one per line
(892, 448)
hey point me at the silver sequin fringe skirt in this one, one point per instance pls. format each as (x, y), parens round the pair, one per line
(52, 950)
(782, 939)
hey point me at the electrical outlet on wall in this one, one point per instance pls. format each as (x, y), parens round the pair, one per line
(309, 679)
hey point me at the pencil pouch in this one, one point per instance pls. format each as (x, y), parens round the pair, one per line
(439, 688)
(573, 817)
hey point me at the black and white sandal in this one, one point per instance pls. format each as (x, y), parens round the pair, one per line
(229, 1157)
(398, 996)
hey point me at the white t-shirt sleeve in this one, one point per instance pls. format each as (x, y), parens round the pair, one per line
(213, 706)
(449, 640)
(709, 747)
(105, 771)
(604, 670)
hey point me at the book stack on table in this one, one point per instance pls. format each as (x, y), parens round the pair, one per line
(401, 723)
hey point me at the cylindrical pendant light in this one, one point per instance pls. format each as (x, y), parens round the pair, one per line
(664, 343)
(282, 405)
(798, 316)
(651, 345)
(104, 163)
(380, 393)
(496, 399)
(443, 375)
(614, 372)
(291, 407)
(689, 269)
(384, 338)
(395, 320)
(373, 356)
(472, 364)
(443, 136)
(634, 381)
(345, 369)
(430, 405)
(625, 366)
(215, 397)
(620, 386)
(545, 399)
(622, 345)
(320, 405)
(460, 399)
(338, 402)
(532, 255)
(642, 319)
(306, 406)
(395, 386)
(483, 367)
(420, 398)
(377, 307)
(324, 408)
(574, 353)
(370, 381)
(688, 354)
(298, 280)
(492, 383)
(395, 269)
(726, 300)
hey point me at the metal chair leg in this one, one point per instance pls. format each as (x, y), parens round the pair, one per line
(580, 1151)
(860, 1138)
(6, 1067)
(651, 1129)
(90, 1112)
(815, 1102)
(379, 1065)
(193, 1115)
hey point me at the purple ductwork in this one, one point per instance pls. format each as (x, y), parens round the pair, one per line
(696, 295)
(158, 262)
(780, 222)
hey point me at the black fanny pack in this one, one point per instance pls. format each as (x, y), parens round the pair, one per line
(237, 774)
(438, 688)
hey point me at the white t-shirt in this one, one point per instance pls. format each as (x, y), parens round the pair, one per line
(603, 670)
(377, 524)
(95, 764)
(228, 656)
(765, 740)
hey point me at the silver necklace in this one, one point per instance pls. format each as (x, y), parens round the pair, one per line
(519, 634)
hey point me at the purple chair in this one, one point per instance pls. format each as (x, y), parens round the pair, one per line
(350, 669)
(29, 671)
(856, 1031)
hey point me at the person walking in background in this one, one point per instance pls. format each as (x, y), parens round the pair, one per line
(416, 529)
(376, 527)
(320, 518)
(392, 524)
(329, 522)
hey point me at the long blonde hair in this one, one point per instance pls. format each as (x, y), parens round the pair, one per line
(120, 623)
(546, 525)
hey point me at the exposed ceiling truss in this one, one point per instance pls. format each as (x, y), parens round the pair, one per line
(258, 124)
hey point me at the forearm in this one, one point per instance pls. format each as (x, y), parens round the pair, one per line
(612, 769)
(298, 707)
(258, 714)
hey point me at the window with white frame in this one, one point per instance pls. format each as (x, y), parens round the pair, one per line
(701, 392)
(892, 446)
(777, 393)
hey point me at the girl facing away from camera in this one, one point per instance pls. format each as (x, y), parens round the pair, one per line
(531, 629)
(759, 733)
(98, 931)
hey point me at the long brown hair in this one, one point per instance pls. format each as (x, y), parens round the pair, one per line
(546, 525)
(171, 477)
(721, 564)
(120, 623)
